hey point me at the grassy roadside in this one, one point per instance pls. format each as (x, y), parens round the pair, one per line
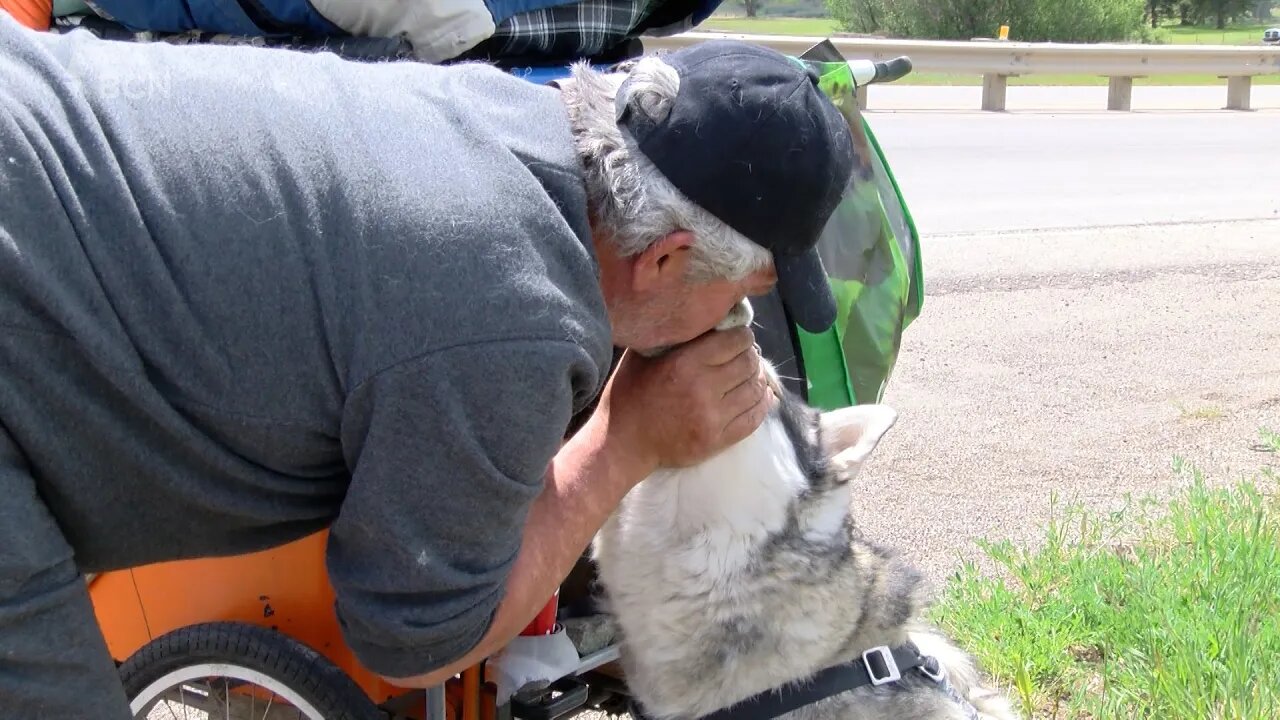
(772, 26)
(1167, 609)
(1234, 35)
(823, 27)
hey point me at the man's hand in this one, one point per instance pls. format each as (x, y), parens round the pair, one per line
(682, 407)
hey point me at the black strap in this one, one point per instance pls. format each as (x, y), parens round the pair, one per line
(826, 683)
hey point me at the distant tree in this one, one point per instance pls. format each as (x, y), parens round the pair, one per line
(859, 16)
(1188, 13)
(752, 7)
(1159, 10)
(1222, 10)
(1031, 20)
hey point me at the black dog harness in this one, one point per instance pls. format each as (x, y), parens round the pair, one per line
(879, 666)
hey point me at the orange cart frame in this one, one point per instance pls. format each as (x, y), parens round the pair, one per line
(284, 589)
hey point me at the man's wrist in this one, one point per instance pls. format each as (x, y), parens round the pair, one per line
(620, 444)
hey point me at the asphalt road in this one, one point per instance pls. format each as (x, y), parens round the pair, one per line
(1102, 296)
(1041, 98)
(978, 172)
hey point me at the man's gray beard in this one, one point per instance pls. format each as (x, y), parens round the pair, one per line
(647, 326)
(739, 315)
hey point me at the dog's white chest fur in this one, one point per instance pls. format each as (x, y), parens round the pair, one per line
(718, 508)
(678, 553)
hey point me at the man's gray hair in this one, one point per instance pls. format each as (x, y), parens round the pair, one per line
(634, 202)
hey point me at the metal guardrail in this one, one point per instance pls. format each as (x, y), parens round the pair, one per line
(997, 61)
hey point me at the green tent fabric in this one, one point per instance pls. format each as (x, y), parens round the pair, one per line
(870, 249)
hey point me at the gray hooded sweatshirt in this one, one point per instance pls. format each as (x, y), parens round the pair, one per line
(249, 294)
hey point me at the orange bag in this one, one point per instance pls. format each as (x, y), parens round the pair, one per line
(35, 14)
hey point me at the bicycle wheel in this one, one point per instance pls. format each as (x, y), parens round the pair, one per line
(237, 671)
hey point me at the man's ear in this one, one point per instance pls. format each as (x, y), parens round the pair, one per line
(850, 434)
(663, 263)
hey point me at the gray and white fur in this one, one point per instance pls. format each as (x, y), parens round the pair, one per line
(746, 572)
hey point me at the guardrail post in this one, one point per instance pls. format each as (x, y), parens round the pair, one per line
(1238, 91)
(1120, 93)
(993, 92)
(861, 92)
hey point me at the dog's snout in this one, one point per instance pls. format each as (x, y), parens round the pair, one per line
(740, 315)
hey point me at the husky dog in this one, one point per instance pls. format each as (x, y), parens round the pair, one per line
(746, 574)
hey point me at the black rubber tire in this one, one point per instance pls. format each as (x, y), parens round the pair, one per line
(295, 665)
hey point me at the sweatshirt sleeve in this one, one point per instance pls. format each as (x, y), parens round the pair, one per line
(447, 453)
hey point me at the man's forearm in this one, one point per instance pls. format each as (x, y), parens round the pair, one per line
(586, 481)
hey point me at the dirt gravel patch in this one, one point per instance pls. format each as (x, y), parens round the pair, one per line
(1079, 362)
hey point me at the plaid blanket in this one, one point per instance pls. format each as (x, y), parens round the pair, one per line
(587, 28)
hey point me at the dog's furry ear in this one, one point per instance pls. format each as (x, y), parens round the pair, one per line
(650, 88)
(850, 435)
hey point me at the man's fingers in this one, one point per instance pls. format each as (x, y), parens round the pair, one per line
(742, 369)
(748, 421)
(721, 346)
(698, 398)
(742, 398)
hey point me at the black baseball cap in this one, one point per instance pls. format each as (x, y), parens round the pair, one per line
(752, 140)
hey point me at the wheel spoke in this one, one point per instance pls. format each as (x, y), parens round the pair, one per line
(211, 702)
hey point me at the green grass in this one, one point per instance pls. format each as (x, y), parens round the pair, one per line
(1200, 412)
(818, 27)
(1270, 441)
(1166, 609)
(1200, 35)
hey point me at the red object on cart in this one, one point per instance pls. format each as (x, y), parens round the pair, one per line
(545, 622)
